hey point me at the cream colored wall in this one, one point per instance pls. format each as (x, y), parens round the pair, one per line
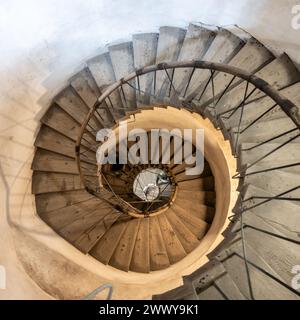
(42, 43)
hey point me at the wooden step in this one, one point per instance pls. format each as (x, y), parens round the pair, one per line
(140, 261)
(52, 140)
(72, 103)
(77, 227)
(122, 255)
(49, 161)
(200, 184)
(204, 197)
(69, 100)
(45, 160)
(43, 182)
(106, 246)
(158, 253)
(197, 226)
(174, 247)
(47, 202)
(188, 240)
(57, 119)
(92, 235)
(195, 208)
(276, 182)
(269, 211)
(262, 109)
(61, 217)
(280, 255)
(179, 170)
(228, 288)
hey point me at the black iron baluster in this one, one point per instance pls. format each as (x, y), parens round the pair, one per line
(233, 110)
(139, 87)
(225, 90)
(258, 118)
(212, 72)
(154, 84)
(244, 257)
(189, 81)
(238, 176)
(272, 151)
(267, 199)
(272, 277)
(240, 120)
(270, 233)
(124, 97)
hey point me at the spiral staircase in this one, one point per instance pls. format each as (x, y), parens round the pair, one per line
(222, 80)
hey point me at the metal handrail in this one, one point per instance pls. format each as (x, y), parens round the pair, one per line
(287, 106)
(93, 294)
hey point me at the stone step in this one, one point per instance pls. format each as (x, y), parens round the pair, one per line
(269, 157)
(121, 56)
(252, 57)
(196, 43)
(263, 131)
(144, 51)
(267, 248)
(223, 48)
(169, 45)
(103, 73)
(86, 87)
(263, 286)
(276, 182)
(272, 211)
(261, 110)
(279, 73)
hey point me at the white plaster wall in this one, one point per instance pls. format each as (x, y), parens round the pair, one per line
(42, 43)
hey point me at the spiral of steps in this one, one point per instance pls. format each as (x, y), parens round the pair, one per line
(261, 244)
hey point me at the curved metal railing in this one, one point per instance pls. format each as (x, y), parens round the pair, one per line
(157, 77)
(156, 82)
